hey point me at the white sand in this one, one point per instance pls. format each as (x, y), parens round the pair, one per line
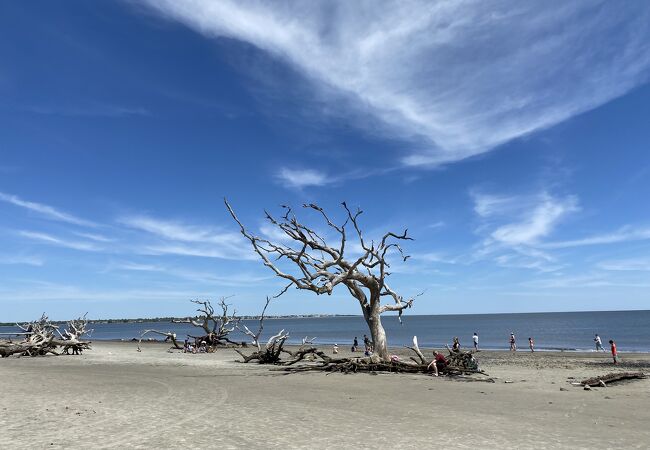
(115, 397)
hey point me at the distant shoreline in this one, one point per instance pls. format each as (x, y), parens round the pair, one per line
(325, 316)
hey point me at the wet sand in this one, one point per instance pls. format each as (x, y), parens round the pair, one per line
(116, 397)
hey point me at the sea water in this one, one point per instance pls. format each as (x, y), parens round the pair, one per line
(568, 331)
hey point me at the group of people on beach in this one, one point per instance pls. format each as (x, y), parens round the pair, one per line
(367, 344)
(189, 347)
(612, 347)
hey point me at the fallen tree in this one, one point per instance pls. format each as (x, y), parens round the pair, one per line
(42, 337)
(458, 363)
(214, 327)
(320, 267)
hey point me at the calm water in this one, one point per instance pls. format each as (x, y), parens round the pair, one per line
(569, 331)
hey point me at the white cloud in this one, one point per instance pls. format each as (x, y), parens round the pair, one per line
(189, 240)
(22, 260)
(45, 210)
(239, 279)
(113, 111)
(457, 77)
(49, 239)
(626, 265)
(300, 178)
(624, 234)
(94, 237)
(514, 227)
(539, 223)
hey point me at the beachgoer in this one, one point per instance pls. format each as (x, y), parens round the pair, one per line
(186, 346)
(455, 347)
(612, 345)
(513, 342)
(599, 343)
(335, 349)
(203, 348)
(439, 362)
(366, 342)
(355, 345)
(531, 344)
(475, 339)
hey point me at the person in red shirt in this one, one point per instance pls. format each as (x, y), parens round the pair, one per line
(439, 362)
(614, 352)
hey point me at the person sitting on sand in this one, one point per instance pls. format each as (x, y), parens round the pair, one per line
(513, 342)
(439, 363)
(455, 347)
(203, 348)
(531, 344)
(612, 345)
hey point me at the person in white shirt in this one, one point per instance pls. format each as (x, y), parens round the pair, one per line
(475, 338)
(599, 343)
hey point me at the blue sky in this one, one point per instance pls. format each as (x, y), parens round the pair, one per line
(510, 139)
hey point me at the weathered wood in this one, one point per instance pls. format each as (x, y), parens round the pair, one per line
(40, 338)
(321, 267)
(612, 378)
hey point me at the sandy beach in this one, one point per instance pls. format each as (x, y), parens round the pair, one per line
(116, 397)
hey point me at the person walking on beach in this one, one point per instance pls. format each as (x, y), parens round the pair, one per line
(367, 343)
(475, 339)
(513, 342)
(599, 343)
(612, 345)
(335, 349)
(531, 344)
(355, 344)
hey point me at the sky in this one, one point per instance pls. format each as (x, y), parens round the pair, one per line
(511, 139)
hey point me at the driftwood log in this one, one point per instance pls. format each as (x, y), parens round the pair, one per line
(458, 363)
(42, 337)
(610, 378)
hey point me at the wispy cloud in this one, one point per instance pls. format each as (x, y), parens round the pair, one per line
(94, 236)
(457, 78)
(22, 260)
(301, 178)
(53, 240)
(188, 240)
(45, 210)
(538, 223)
(240, 279)
(111, 111)
(514, 227)
(625, 234)
(626, 265)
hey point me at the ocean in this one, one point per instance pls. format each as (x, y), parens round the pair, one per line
(569, 331)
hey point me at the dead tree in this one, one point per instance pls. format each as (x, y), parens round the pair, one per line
(42, 337)
(321, 267)
(272, 349)
(215, 326)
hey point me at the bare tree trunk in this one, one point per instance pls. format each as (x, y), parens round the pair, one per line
(377, 333)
